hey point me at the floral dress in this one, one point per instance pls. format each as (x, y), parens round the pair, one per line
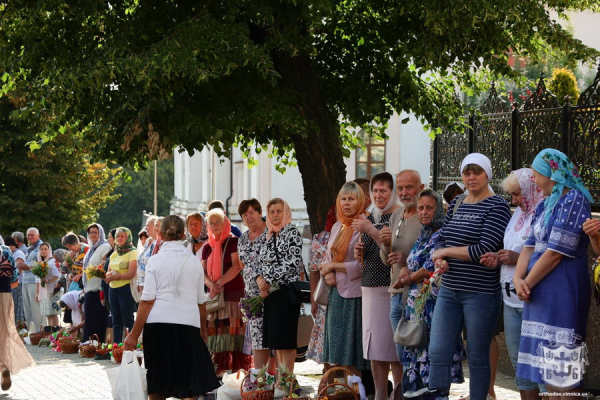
(248, 251)
(418, 357)
(318, 250)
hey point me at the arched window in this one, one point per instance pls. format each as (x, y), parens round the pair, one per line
(371, 159)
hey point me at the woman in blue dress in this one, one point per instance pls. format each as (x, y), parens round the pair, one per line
(552, 278)
(430, 210)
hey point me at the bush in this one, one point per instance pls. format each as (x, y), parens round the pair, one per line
(564, 83)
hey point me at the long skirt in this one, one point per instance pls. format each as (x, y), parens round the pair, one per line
(281, 321)
(378, 338)
(343, 332)
(178, 361)
(317, 336)
(96, 316)
(13, 353)
(226, 333)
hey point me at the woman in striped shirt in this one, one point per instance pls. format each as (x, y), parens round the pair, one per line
(470, 293)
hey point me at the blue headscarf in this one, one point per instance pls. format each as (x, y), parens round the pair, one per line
(439, 216)
(557, 166)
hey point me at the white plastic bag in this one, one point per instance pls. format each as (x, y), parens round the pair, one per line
(131, 379)
(231, 388)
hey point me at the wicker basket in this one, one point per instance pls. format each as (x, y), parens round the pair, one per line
(289, 397)
(117, 353)
(35, 338)
(349, 394)
(324, 385)
(68, 345)
(89, 350)
(256, 394)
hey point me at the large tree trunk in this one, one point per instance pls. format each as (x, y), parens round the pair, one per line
(319, 154)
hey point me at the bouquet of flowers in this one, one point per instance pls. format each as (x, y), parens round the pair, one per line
(425, 292)
(41, 270)
(95, 272)
(252, 307)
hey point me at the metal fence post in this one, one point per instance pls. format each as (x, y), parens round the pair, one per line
(514, 138)
(436, 159)
(566, 127)
(471, 133)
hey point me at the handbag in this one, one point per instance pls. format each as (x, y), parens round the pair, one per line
(305, 327)
(218, 302)
(321, 295)
(411, 333)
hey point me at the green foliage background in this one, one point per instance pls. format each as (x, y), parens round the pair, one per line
(137, 196)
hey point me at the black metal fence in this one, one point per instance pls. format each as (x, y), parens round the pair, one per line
(511, 136)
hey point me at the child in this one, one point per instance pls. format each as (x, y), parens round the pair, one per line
(46, 295)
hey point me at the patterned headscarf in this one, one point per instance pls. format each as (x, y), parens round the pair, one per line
(128, 246)
(94, 246)
(203, 236)
(557, 166)
(530, 193)
(214, 260)
(343, 238)
(438, 217)
(287, 219)
(378, 212)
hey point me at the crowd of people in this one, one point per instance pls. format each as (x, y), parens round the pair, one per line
(392, 252)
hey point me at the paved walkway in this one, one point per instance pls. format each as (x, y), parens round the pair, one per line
(64, 377)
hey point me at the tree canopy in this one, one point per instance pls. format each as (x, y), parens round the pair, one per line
(56, 189)
(136, 78)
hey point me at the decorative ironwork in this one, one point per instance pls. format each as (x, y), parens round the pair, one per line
(452, 147)
(541, 98)
(511, 138)
(494, 104)
(591, 96)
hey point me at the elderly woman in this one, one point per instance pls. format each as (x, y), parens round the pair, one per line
(430, 211)
(249, 246)
(378, 339)
(197, 234)
(526, 195)
(280, 260)
(95, 313)
(78, 251)
(552, 275)
(122, 267)
(175, 353)
(341, 271)
(158, 241)
(470, 292)
(226, 329)
(13, 355)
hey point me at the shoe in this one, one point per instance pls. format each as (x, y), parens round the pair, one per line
(490, 397)
(6, 382)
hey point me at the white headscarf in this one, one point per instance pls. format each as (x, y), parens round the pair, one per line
(377, 212)
(93, 246)
(482, 161)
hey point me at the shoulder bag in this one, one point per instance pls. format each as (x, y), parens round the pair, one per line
(321, 295)
(411, 333)
(218, 302)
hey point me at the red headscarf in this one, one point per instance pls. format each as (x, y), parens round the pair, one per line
(287, 218)
(215, 269)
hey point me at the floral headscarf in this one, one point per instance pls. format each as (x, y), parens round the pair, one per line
(203, 236)
(128, 246)
(530, 192)
(557, 166)
(438, 217)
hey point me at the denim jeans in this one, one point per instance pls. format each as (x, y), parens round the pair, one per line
(479, 314)
(396, 312)
(122, 308)
(513, 317)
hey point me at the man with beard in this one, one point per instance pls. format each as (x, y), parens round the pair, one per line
(398, 239)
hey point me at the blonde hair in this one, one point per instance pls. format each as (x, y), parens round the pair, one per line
(215, 212)
(510, 183)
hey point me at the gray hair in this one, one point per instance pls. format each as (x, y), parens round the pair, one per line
(510, 183)
(70, 239)
(1, 241)
(18, 236)
(32, 229)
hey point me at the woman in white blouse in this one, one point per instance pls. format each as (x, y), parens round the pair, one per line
(175, 353)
